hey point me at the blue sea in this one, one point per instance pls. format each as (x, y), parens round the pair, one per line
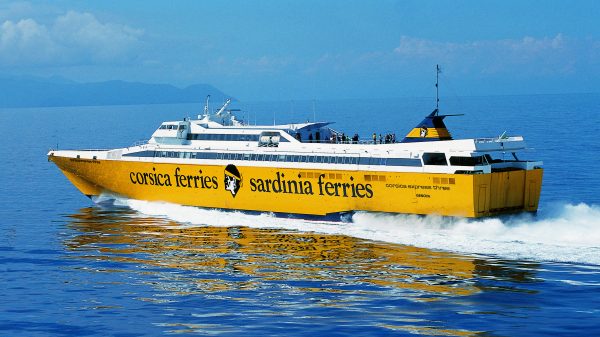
(69, 267)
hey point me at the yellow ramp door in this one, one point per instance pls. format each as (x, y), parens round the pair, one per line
(533, 192)
(481, 202)
(507, 190)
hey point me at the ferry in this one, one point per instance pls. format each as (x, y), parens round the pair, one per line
(310, 169)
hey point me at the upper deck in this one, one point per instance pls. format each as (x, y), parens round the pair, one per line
(315, 145)
(220, 139)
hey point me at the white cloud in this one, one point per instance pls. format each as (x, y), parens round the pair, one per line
(25, 40)
(555, 59)
(526, 57)
(73, 38)
(547, 55)
(85, 33)
(15, 9)
(410, 46)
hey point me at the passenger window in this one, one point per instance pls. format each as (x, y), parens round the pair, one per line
(434, 159)
(466, 161)
(269, 139)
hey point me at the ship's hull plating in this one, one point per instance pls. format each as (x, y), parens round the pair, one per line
(308, 191)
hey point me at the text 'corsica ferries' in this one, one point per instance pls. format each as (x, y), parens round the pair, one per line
(311, 169)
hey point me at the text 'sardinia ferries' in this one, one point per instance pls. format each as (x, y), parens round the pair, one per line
(310, 169)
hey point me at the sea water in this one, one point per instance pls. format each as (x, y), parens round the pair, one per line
(72, 267)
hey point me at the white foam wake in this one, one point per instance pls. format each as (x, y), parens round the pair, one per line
(570, 233)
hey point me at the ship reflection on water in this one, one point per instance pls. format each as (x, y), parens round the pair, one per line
(292, 274)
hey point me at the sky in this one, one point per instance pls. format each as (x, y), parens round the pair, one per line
(282, 50)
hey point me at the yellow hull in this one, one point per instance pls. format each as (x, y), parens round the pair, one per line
(308, 191)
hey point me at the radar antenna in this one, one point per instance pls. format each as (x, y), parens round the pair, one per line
(220, 111)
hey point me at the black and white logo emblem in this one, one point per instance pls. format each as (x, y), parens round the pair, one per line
(233, 179)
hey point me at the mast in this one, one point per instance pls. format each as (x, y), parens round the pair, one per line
(206, 112)
(437, 88)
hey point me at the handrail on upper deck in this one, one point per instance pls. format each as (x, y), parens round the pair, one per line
(140, 142)
(498, 139)
(350, 142)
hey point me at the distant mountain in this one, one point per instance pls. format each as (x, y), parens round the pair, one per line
(56, 91)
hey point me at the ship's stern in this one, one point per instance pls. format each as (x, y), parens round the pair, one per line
(509, 191)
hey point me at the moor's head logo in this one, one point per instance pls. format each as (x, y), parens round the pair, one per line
(233, 179)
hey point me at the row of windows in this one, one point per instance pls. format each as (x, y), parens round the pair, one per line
(428, 158)
(280, 158)
(228, 137)
(435, 158)
(223, 137)
(171, 127)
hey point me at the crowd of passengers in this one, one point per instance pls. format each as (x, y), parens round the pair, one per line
(388, 139)
(336, 138)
